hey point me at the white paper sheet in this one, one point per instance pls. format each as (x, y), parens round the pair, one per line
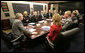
(45, 28)
(31, 29)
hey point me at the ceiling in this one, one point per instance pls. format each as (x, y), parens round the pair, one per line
(49, 1)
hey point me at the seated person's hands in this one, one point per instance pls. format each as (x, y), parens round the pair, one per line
(33, 33)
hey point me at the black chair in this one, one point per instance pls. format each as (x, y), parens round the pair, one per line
(62, 42)
(12, 43)
(52, 46)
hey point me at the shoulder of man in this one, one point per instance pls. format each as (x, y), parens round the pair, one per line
(17, 21)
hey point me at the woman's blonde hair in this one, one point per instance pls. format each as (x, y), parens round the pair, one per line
(25, 13)
(57, 19)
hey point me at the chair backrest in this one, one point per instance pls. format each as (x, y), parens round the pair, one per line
(11, 21)
(58, 39)
(4, 46)
(17, 39)
(5, 36)
(70, 32)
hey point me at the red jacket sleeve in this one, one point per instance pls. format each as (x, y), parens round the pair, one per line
(51, 32)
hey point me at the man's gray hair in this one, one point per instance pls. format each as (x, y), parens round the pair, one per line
(68, 12)
(18, 15)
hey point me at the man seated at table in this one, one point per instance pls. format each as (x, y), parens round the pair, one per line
(26, 18)
(49, 15)
(74, 19)
(39, 16)
(18, 28)
(68, 21)
(43, 15)
(38, 13)
(77, 15)
(55, 28)
(60, 12)
(34, 18)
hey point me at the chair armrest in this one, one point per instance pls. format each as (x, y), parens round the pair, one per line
(16, 39)
(50, 43)
(70, 32)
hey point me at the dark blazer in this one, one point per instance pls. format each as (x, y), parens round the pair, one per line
(25, 19)
(49, 15)
(75, 22)
(40, 17)
(34, 18)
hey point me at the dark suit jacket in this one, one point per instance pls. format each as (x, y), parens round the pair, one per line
(49, 15)
(34, 18)
(25, 19)
(40, 17)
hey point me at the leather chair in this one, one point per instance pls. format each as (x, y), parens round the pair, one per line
(11, 42)
(70, 32)
(61, 38)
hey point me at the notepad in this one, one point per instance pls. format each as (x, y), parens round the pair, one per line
(31, 29)
(34, 33)
(41, 21)
(31, 24)
(46, 28)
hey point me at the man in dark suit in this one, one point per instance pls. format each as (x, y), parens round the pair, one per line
(49, 15)
(43, 15)
(74, 19)
(34, 18)
(60, 12)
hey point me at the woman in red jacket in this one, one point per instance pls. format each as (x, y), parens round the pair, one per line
(55, 28)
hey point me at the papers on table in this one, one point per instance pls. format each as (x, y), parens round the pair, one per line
(46, 28)
(31, 29)
(38, 24)
(41, 21)
(31, 24)
(34, 33)
(49, 19)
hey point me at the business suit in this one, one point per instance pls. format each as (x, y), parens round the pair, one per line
(34, 18)
(18, 29)
(67, 24)
(25, 19)
(49, 15)
(75, 22)
(40, 17)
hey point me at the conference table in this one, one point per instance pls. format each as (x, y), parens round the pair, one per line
(38, 28)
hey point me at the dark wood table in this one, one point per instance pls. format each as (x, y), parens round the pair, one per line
(39, 31)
